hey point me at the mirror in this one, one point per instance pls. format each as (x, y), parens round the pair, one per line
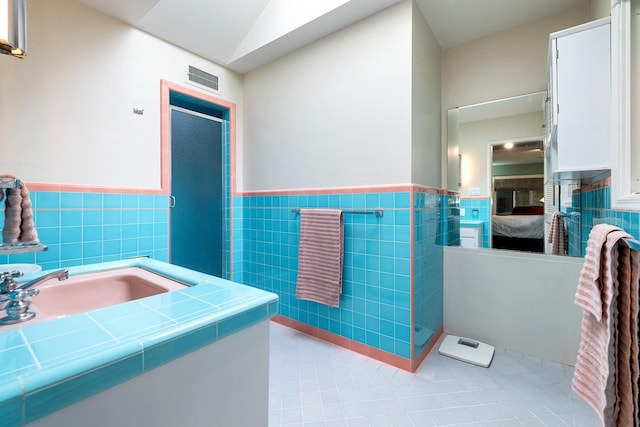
(496, 161)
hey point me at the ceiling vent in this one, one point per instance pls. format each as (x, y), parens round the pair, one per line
(202, 79)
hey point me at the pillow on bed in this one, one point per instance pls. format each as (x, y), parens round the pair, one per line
(528, 210)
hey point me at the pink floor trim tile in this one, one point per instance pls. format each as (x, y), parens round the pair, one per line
(365, 350)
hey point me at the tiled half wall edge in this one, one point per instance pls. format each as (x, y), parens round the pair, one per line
(384, 291)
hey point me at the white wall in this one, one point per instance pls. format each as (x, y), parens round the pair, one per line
(600, 8)
(66, 110)
(504, 64)
(635, 95)
(520, 301)
(335, 113)
(426, 104)
(475, 138)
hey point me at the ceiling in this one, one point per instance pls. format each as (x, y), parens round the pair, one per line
(245, 34)
(521, 152)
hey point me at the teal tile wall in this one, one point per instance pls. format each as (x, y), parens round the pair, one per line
(478, 210)
(431, 213)
(226, 220)
(375, 305)
(594, 207)
(451, 220)
(238, 228)
(85, 228)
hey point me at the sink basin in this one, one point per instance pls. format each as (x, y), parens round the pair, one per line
(85, 292)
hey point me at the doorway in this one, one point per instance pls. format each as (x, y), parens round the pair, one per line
(197, 201)
(518, 205)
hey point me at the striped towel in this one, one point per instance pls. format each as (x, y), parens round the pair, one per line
(320, 256)
(606, 371)
(18, 215)
(557, 236)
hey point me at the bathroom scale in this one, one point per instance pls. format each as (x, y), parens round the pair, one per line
(467, 350)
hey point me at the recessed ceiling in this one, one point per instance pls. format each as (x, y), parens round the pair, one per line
(521, 152)
(243, 35)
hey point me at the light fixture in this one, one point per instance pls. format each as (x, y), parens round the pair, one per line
(508, 145)
(13, 28)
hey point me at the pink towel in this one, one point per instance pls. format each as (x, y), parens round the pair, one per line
(606, 371)
(320, 256)
(557, 236)
(18, 215)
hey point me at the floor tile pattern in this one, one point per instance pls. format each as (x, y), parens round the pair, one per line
(316, 384)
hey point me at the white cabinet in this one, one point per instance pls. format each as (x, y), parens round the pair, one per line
(471, 236)
(580, 93)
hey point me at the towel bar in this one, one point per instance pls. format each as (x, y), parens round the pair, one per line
(569, 215)
(377, 212)
(633, 244)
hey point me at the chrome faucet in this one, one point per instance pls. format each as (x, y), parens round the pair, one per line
(18, 295)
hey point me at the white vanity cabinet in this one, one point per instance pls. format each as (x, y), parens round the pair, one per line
(580, 100)
(471, 235)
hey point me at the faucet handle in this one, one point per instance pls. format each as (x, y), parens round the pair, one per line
(8, 284)
(31, 292)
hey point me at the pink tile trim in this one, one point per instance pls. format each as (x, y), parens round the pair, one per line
(335, 190)
(417, 362)
(595, 185)
(432, 190)
(474, 198)
(73, 188)
(365, 350)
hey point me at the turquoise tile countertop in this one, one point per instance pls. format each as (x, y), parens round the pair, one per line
(49, 365)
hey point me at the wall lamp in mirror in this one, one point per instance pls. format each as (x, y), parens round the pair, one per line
(13, 28)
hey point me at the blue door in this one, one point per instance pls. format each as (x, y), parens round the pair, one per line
(197, 191)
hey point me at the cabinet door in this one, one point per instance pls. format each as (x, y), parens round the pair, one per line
(583, 110)
(469, 237)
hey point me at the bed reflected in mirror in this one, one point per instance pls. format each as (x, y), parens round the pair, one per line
(517, 217)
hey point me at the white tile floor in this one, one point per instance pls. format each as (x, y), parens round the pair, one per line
(313, 383)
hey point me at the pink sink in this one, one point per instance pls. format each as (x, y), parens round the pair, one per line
(90, 291)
